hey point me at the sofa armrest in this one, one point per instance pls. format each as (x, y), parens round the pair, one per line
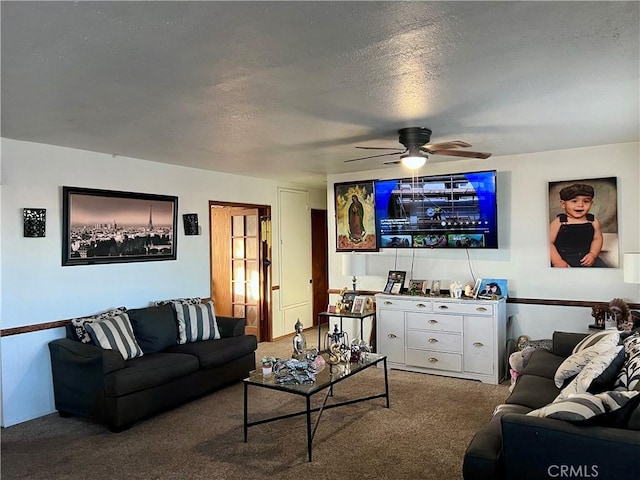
(72, 352)
(564, 342)
(536, 448)
(230, 326)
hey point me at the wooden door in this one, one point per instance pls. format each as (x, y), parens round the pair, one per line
(319, 262)
(245, 268)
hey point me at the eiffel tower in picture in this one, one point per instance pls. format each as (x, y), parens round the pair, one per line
(150, 218)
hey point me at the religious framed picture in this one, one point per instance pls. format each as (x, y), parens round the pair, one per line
(355, 212)
(108, 226)
(583, 223)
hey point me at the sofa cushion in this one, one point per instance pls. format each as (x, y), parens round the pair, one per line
(607, 336)
(213, 353)
(564, 342)
(149, 371)
(115, 333)
(533, 391)
(196, 322)
(592, 370)
(542, 363)
(583, 406)
(155, 328)
(78, 324)
(574, 364)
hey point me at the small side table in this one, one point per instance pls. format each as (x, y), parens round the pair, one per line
(358, 316)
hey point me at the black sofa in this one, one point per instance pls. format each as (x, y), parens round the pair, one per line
(100, 384)
(513, 445)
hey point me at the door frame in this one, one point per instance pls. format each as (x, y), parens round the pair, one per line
(266, 304)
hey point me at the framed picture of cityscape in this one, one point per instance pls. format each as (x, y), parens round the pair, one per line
(107, 226)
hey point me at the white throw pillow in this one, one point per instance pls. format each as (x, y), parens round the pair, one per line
(592, 370)
(575, 362)
(609, 336)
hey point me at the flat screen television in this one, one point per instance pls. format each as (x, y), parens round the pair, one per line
(457, 210)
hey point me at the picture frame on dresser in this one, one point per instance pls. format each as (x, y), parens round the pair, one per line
(395, 281)
(492, 288)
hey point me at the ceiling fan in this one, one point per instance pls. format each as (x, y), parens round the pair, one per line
(417, 148)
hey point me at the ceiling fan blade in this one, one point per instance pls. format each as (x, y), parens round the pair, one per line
(373, 156)
(381, 148)
(444, 145)
(393, 162)
(460, 153)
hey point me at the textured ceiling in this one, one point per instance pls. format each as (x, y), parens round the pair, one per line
(286, 90)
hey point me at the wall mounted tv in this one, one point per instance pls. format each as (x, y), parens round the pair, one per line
(457, 210)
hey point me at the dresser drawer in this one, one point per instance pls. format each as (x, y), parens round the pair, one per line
(435, 360)
(406, 304)
(463, 308)
(426, 340)
(434, 322)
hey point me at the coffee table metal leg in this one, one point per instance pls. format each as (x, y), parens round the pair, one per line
(386, 381)
(309, 436)
(245, 412)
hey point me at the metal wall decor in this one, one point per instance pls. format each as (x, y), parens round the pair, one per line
(34, 220)
(190, 221)
(107, 226)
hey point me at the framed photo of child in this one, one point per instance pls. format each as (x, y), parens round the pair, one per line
(359, 304)
(583, 223)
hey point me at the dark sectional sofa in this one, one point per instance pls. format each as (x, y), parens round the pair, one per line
(100, 384)
(513, 445)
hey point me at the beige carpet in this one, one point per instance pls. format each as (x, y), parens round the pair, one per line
(422, 436)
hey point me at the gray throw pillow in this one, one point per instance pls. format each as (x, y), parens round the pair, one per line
(155, 328)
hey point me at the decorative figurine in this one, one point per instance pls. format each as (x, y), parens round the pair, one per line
(455, 289)
(299, 341)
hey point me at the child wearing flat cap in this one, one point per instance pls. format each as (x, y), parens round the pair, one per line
(575, 235)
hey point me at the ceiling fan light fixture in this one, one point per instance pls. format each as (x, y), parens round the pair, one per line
(413, 161)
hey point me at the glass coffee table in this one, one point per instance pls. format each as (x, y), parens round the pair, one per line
(325, 381)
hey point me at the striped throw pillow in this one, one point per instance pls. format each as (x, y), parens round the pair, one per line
(609, 336)
(196, 322)
(78, 324)
(583, 406)
(115, 333)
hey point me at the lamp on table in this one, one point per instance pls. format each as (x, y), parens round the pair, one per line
(353, 265)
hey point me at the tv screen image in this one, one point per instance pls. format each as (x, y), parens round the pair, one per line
(457, 210)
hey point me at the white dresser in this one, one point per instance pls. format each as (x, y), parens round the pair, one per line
(443, 336)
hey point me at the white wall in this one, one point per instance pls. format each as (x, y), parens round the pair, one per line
(37, 289)
(523, 253)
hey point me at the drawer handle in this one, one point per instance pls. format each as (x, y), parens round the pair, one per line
(432, 360)
(478, 344)
(420, 305)
(387, 302)
(443, 307)
(392, 335)
(481, 309)
(432, 321)
(433, 340)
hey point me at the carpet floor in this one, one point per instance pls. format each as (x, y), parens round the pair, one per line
(422, 436)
